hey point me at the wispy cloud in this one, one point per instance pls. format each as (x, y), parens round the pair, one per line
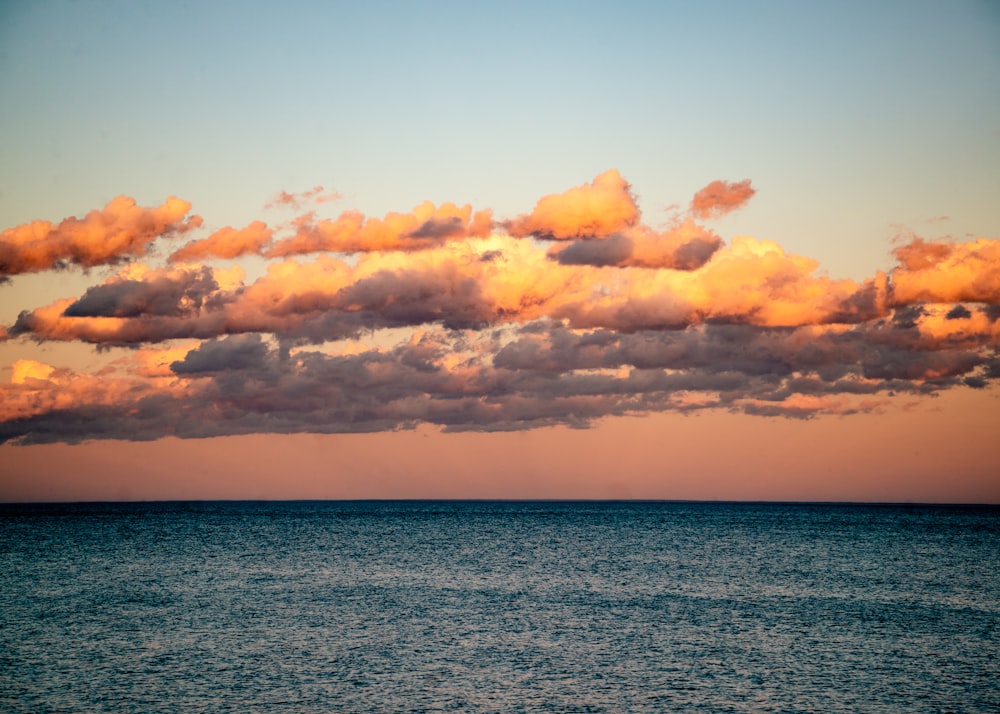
(720, 197)
(315, 195)
(565, 315)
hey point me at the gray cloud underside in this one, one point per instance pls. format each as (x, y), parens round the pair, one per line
(546, 375)
(173, 296)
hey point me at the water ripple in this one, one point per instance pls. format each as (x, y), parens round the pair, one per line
(506, 607)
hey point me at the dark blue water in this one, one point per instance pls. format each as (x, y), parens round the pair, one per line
(562, 607)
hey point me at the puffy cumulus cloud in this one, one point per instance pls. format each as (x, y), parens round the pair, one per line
(720, 197)
(490, 331)
(166, 293)
(226, 243)
(464, 285)
(750, 281)
(945, 272)
(468, 284)
(601, 221)
(756, 281)
(425, 227)
(43, 403)
(120, 230)
(138, 305)
(684, 247)
(595, 210)
(241, 352)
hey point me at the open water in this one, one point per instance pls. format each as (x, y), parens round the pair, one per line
(506, 607)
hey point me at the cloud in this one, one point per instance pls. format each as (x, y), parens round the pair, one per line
(173, 294)
(686, 246)
(47, 404)
(946, 272)
(226, 243)
(749, 282)
(231, 353)
(721, 197)
(119, 231)
(595, 210)
(600, 222)
(136, 306)
(314, 195)
(425, 227)
(538, 374)
(437, 320)
(958, 312)
(614, 250)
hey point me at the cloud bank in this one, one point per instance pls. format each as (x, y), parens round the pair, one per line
(567, 314)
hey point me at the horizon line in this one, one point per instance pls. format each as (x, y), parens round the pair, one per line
(678, 501)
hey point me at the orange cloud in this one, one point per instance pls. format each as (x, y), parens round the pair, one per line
(945, 272)
(496, 280)
(226, 243)
(720, 197)
(751, 282)
(488, 331)
(120, 230)
(427, 226)
(137, 305)
(684, 247)
(755, 281)
(37, 389)
(595, 210)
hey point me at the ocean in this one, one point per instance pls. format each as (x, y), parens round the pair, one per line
(498, 607)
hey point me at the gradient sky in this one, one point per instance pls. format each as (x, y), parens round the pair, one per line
(672, 250)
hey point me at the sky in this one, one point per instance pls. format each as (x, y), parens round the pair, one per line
(664, 250)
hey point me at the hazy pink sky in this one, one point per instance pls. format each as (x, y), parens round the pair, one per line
(943, 451)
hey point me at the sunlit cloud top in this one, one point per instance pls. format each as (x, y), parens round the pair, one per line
(570, 312)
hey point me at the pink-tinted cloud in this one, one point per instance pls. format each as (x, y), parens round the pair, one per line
(119, 231)
(39, 393)
(474, 282)
(314, 195)
(595, 210)
(463, 380)
(226, 243)
(946, 272)
(138, 305)
(720, 197)
(472, 330)
(427, 226)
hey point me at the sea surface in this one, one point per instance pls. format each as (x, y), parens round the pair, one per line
(498, 607)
